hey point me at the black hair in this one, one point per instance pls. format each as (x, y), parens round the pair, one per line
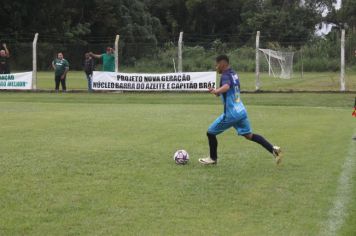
(222, 58)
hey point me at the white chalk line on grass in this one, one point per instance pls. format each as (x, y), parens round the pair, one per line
(338, 213)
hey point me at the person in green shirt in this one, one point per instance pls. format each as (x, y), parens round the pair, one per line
(61, 67)
(108, 59)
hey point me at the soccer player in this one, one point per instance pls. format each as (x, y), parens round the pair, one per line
(235, 114)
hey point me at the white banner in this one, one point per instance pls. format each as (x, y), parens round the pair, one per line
(21, 81)
(185, 81)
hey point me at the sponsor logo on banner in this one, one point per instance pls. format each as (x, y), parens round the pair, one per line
(21, 81)
(186, 81)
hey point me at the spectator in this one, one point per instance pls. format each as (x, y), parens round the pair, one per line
(89, 67)
(108, 59)
(61, 67)
(4, 60)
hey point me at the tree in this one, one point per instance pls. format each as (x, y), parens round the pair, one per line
(286, 22)
(79, 22)
(346, 16)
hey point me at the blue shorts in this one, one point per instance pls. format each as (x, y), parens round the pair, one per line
(222, 123)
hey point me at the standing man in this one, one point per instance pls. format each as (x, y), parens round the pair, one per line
(108, 59)
(235, 114)
(4, 60)
(61, 67)
(89, 67)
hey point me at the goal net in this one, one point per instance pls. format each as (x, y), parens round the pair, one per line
(279, 64)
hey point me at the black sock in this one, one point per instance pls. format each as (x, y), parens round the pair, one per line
(261, 140)
(213, 145)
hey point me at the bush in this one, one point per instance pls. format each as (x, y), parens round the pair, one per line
(318, 64)
(318, 55)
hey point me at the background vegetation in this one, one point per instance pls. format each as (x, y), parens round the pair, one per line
(149, 30)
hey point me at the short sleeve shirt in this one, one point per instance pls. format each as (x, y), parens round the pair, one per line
(108, 62)
(233, 105)
(61, 66)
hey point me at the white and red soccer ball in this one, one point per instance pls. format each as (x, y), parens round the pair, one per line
(181, 157)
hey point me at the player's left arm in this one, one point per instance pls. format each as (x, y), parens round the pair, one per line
(65, 71)
(6, 50)
(222, 89)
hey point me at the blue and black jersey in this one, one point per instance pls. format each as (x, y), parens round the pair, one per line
(233, 106)
(235, 114)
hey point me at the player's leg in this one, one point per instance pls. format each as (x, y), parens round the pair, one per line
(57, 80)
(213, 146)
(243, 128)
(275, 150)
(260, 140)
(217, 127)
(63, 83)
(89, 77)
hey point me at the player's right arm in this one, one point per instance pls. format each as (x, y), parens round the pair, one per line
(6, 50)
(225, 86)
(53, 65)
(98, 56)
(221, 90)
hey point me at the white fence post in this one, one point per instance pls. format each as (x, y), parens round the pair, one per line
(180, 58)
(117, 53)
(301, 58)
(257, 61)
(34, 62)
(342, 71)
(269, 62)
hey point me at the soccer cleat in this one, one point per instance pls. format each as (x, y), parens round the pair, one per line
(207, 161)
(277, 153)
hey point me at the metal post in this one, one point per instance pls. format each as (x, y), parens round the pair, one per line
(257, 61)
(342, 71)
(117, 53)
(301, 57)
(34, 62)
(269, 62)
(174, 65)
(180, 58)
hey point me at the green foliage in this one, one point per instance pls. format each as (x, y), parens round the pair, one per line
(79, 23)
(277, 21)
(318, 64)
(216, 26)
(345, 17)
(318, 55)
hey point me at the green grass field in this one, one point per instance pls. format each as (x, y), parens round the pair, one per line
(101, 164)
(328, 81)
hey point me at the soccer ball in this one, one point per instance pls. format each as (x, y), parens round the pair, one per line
(181, 157)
